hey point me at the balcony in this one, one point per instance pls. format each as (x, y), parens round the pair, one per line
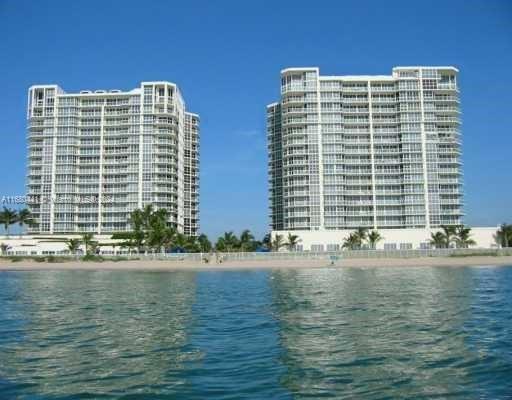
(357, 192)
(355, 100)
(301, 86)
(446, 86)
(354, 88)
(298, 110)
(299, 121)
(384, 100)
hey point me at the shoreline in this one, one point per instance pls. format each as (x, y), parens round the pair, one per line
(166, 265)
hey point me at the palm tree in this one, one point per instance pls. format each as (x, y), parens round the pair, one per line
(220, 245)
(193, 245)
(361, 234)
(438, 240)
(256, 244)
(130, 240)
(277, 243)
(136, 219)
(246, 240)
(181, 241)
(228, 242)
(373, 238)
(158, 234)
(90, 244)
(352, 242)
(150, 230)
(503, 236)
(24, 218)
(160, 215)
(113, 245)
(147, 213)
(204, 243)
(94, 247)
(292, 241)
(137, 235)
(73, 246)
(8, 217)
(463, 237)
(508, 234)
(450, 232)
(267, 241)
(4, 248)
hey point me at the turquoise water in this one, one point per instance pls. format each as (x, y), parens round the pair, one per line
(349, 333)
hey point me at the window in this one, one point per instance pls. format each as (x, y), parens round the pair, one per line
(389, 246)
(317, 247)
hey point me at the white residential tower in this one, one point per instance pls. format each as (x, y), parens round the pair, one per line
(381, 152)
(95, 156)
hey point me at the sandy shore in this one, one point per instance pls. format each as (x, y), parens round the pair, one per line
(166, 265)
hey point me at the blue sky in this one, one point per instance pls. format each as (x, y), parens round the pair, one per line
(226, 57)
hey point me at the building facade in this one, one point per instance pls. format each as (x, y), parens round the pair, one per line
(391, 239)
(95, 156)
(381, 152)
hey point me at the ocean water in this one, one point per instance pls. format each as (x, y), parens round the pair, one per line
(376, 333)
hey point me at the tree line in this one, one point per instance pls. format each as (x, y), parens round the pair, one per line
(449, 236)
(151, 231)
(10, 217)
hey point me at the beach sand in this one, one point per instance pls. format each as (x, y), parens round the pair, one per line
(168, 265)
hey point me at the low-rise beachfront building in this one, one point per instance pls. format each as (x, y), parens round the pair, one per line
(309, 241)
(44, 245)
(95, 156)
(392, 239)
(380, 152)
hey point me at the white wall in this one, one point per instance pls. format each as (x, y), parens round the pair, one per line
(407, 237)
(51, 244)
(46, 244)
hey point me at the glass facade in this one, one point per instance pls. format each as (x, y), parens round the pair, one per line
(96, 156)
(365, 151)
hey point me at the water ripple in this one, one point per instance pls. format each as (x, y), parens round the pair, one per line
(383, 333)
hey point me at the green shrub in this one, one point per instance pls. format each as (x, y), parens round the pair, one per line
(57, 259)
(493, 253)
(118, 258)
(92, 257)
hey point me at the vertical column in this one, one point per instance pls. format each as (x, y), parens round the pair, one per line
(372, 155)
(141, 144)
(35, 196)
(275, 154)
(100, 172)
(181, 164)
(424, 151)
(54, 158)
(320, 153)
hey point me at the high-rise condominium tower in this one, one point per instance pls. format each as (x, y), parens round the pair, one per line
(365, 151)
(93, 157)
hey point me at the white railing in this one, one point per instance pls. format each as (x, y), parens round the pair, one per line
(299, 255)
(324, 255)
(296, 255)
